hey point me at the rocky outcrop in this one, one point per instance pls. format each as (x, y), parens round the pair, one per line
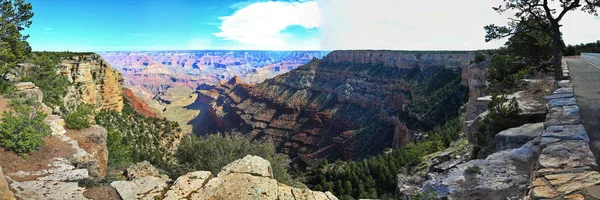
(517, 137)
(139, 104)
(566, 168)
(532, 111)
(346, 105)
(5, 193)
(499, 177)
(94, 81)
(252, 178)
(145, 183)
(68, 161)
(248, 178)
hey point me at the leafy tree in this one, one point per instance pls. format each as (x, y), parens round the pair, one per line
(15, 16)
(504, 74)
(80, 118)
(22, 129)
(543, 10)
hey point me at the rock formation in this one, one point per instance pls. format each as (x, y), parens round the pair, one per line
(344, 106)
(94, 81)
(53, 171)
(248, 178)
(139, 104)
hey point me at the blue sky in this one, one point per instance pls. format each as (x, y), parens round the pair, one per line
(108, 25)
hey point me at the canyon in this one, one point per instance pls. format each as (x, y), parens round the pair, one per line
(348, 105)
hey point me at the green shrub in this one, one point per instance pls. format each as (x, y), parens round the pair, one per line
(479, 57)
(502, 114)
(472, 170)
(22, 129)
(80, 118)
(6, 87)
(214, 152)
(119, 154)
(428, 194)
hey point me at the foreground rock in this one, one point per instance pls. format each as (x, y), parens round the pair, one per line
(252, 178)
(53, 172)
(517, 137)
(145, 183)
(248, 178)
(500, 177)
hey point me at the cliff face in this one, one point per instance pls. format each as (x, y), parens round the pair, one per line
(348, 105)
(94, 82)
(139, 104)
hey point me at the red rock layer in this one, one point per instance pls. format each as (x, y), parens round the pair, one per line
(139, 104)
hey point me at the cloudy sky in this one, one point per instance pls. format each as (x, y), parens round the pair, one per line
(111, 25)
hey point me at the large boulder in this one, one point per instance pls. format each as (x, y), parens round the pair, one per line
(517, 137)
(28, 90)
(500, 178)
(248, 178)
(145, 183)
(141, 169)
(148, 188)
(186, 184)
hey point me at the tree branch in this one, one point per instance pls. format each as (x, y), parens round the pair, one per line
(572, 6)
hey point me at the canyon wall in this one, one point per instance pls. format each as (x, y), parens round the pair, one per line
(349, 105)
(94, 81)
(149, 73)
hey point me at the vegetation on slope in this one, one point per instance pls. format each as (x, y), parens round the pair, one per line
(80, 118)
(22, 128)
(376, 176)
(135, 138)
(142, 134)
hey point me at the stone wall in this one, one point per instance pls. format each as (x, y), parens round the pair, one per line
(566, 165)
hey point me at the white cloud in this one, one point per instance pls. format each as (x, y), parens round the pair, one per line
(260, 25)
(425, 25)
(49, 29)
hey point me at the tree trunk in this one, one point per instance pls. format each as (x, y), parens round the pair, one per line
(556, 51)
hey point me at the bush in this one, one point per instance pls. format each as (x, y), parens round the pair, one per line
(479, 58)
(22, 129)
(6, 87)
(502, 114)
(80, 118)
(119, 154)
(214, 152)
(472, 170)
(428, 194)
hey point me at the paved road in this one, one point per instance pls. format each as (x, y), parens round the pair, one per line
(586, 82)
